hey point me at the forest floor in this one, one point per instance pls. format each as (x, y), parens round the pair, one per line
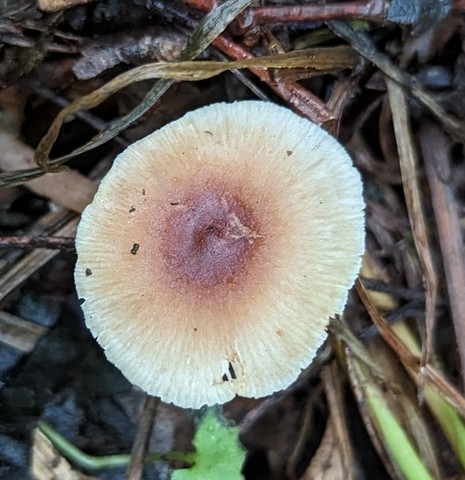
(387, 79)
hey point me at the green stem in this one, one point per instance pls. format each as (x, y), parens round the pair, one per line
(90, 462)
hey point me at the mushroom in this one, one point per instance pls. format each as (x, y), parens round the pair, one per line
(217, 248)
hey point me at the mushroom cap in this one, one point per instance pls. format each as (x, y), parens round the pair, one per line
(217, 248)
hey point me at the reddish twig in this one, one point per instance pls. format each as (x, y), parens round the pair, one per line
(371, 10)
(297, 96)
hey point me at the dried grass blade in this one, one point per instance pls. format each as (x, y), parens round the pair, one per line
(370, 377)
(403, 454)
(444, 401)
(207, 30)
(410, 166)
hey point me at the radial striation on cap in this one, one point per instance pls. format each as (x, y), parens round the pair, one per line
(217, 248)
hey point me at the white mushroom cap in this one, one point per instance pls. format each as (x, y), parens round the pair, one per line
(216, 249)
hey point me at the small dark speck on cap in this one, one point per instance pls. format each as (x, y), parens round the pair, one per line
(143, 191)
(81, 301)
(135, 248)
(289, 152)
(88, 272)
(231, 371)
(132, 209)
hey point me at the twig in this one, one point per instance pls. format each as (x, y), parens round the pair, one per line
(371, 10)
(394, 290)
(139, 449)
(295, 95)
(50, 242)
(17, 273)
(405, 355)
(331, 379)
(411, 309)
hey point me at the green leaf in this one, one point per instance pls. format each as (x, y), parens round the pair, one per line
(219, 455)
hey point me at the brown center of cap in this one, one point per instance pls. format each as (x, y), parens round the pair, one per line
(209, 238)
